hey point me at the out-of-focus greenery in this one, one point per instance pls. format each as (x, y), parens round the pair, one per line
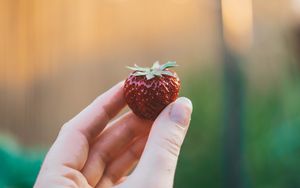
(18, 168)
(272, 144)
(271, 138)
(200, 163)
(271, 134)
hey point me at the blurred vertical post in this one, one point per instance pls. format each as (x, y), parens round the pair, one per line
(235, 24)
(295, 7)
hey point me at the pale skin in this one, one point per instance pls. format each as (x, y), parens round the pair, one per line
(91, 150)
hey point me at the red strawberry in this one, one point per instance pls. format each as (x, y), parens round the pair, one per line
(149, 90)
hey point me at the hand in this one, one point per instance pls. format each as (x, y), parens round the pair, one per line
(91, 151)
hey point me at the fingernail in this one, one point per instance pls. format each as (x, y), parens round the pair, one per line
(181, 111)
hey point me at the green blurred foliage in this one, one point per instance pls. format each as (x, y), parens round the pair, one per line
(271, 148)
(272, 142)
(200, 163)
(19, 168)
(271, 138)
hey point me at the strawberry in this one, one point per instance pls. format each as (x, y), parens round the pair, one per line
(148, 91)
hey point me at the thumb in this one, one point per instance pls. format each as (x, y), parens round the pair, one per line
(158, 162)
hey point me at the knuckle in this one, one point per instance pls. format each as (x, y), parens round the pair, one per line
(172, 142)
(106, 157)
(134, 154)
(112, 176)
(172, 146)
(64, 128)
(75, 177)
(50, 178)
(69, 184)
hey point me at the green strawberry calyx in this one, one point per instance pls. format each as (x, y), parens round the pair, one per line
(156, 70)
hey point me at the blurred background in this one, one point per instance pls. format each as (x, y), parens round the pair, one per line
(239, 63)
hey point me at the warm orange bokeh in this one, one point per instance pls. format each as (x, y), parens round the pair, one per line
(56, 56)
(237, 20)
(39, 35)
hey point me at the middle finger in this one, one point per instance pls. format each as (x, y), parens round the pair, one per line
(111, 143)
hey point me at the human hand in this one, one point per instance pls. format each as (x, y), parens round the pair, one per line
(90, 151)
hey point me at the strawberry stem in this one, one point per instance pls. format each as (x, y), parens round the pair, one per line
(169, 64)
(155, 70)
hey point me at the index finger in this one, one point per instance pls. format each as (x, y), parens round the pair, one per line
(93, 119)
